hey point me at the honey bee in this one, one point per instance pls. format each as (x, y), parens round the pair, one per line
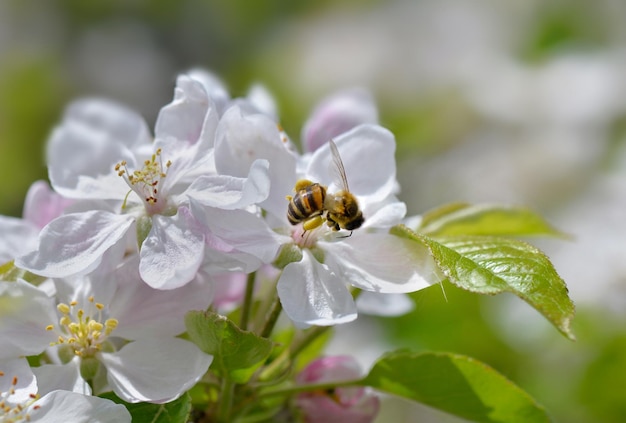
(313, 204)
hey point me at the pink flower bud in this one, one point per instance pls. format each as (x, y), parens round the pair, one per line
(345, 405)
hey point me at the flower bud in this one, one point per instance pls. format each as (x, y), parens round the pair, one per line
(342, 404)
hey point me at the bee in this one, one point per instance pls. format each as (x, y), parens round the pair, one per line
(313, 204)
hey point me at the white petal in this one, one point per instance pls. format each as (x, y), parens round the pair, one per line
(383, 215)
(146, 312)
(387, 305)
(154, 370)
(83, 150)
(230, 192)
(214, 87)
(65, 406)
(51, 377)
(75, 243)
(337, 114)
(312, 295)
(381, 262)
(241, 230)
(172, 252)
(241, 139)
(16, 369)
(25, 311)
(18, 237)
(367, 152)
(191, 116)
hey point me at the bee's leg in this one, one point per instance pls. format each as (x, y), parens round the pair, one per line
(312, 223)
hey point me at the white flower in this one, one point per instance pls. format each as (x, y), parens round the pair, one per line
(23, 400)
(315, 289)
(101, 150)
(119, 333)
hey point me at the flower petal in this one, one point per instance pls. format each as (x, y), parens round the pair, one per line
(213, 86)
(172, 252)
(191, 116)
(241, 230)
(16, 370)
(18, 237)
(146, 312)
(155, 370)
(381, 262)
(241, 139)
(337, 114)
(230, 192)
(367, 152)
(75, 243)
(312, 295)
(51, 377)
(25, 311)
(65, 406)
(83, 150)
(42, 205)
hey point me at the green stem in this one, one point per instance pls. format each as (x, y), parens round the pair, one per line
(226, 401)
(247, 301)
(272, 317)
(307, 388)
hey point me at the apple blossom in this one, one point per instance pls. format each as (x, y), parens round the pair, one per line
(113, 329)
(101, 150)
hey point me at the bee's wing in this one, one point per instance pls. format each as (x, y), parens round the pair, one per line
(337, 171)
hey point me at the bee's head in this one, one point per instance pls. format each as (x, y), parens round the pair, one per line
(356, 222)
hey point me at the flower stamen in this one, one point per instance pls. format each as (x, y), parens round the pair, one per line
(84, 332)
(11, 412)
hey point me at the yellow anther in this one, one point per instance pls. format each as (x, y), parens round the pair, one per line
(90, 299)
(73, 303)
(65, 320)
(63, 308)
(99, 306)
(48, 328)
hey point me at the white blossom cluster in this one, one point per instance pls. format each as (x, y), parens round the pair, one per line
(141, 227)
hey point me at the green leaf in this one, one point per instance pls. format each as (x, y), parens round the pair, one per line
(491, 265)
(464, 219)
(455, 384)
(176, 411)
(231, 347)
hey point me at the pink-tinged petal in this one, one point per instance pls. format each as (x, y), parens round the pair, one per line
(242, 230)
(350, 405)
(387, 305)
(336, 368)
(172, 252)
(43, 205)
(75, 243)
(155, 370)
(18, 237)
(367, 152)
(83, 150)
(312, 295)
(230, 192)
(338, 114)
(190, 117)
(261, 99)
(213, 86)
(65, 406)
(241, 139)
(381, 262)
(25, 311)
(51, 377)
(142, 311)
(16, 370)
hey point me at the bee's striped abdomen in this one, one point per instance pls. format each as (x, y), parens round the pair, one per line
(307, 202)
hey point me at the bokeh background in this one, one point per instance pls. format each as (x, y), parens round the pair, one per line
(515, 102)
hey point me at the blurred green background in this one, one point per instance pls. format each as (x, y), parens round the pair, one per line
(515, 102)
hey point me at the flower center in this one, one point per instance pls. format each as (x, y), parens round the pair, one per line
(145, 182)
(82, 330)
(11, 412)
